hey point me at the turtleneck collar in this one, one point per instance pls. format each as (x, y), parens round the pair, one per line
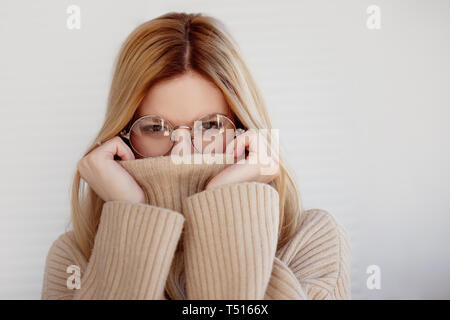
(166, 183)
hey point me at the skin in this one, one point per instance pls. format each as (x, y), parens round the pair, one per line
(181, 100)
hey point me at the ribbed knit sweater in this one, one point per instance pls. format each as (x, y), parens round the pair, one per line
(227, 237)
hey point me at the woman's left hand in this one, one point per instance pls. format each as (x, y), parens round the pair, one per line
(258, 166)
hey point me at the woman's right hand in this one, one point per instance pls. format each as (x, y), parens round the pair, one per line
(106, 176)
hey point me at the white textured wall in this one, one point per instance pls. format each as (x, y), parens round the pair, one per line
(363, 117)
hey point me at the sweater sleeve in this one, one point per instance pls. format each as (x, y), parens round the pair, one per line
(315, 264)
(230, 241)
(131, 257)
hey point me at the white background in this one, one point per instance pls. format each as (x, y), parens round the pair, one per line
(363, 117)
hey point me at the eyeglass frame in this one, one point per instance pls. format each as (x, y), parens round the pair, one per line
(126, 133)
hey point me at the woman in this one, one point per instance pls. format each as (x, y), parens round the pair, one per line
(145, 227)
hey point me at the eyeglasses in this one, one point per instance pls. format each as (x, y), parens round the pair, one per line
(152, 135)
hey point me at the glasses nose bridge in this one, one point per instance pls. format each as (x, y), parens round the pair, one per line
(180, 127)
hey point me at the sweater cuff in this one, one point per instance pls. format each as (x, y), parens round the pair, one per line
(230, 241)
(133, 250)
(283, 284)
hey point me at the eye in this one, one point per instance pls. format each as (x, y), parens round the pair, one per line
(152, 128)
(206, 125)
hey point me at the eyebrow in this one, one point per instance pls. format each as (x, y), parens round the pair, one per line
(165, 118)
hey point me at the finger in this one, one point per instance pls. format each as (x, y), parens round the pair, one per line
(123, 151)
(247, 141)
(234, 173)
(116, 146)
(237, 145)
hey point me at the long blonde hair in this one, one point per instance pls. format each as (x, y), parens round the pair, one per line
(166, 46)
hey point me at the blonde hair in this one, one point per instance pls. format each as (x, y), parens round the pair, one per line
(161, 48)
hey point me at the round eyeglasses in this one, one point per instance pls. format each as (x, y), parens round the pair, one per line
(152, 135)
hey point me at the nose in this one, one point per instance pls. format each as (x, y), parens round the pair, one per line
(181, 136)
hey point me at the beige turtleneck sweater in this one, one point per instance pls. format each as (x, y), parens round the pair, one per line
(228, 237)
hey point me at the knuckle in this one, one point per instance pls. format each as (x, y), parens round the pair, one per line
(118, 140)
(90, 160)
(113, 140)
(83, 164)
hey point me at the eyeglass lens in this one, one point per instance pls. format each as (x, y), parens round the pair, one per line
(151, 136)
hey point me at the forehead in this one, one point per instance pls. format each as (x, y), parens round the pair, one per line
(183, 99)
